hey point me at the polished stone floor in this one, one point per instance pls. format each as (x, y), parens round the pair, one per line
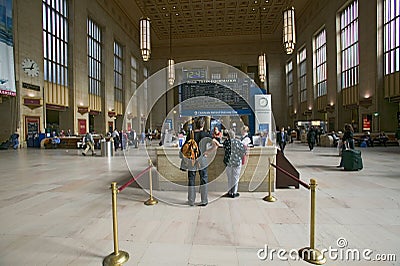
(55, 208)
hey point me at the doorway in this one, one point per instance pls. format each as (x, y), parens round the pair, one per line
(52, 121)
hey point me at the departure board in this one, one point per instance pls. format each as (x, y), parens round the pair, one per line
(232, 93)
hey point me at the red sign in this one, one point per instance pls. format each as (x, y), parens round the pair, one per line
(82, 126)
(366, 122)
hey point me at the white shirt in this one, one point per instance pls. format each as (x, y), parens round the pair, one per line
(246, 140)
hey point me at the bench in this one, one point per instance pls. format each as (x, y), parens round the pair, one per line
(391, 139)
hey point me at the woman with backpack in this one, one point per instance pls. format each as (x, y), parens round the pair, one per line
(198, 150)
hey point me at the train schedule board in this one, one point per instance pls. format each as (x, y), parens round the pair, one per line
(214, 98)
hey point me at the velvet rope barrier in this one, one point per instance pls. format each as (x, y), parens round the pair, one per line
(307, 186)
(133, 179)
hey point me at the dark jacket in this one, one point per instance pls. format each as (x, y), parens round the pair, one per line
(311, 135)
(281, 139)
(348, 137)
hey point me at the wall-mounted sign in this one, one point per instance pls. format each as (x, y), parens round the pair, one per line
(32, 102)
(83, 109)
(30, 86)
(82, 126)
(55, 107)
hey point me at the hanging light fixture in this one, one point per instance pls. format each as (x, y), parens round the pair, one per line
(262, 61)
(289, 32)
(145, 38)
(171, 72)
(171, 62)
(262, 65)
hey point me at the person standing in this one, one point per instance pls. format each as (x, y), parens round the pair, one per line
(234, 152)
(89, 144)
(289, 132)
(202, 138)
(143, 137)
(311, 138)
(217, 134)
(116, 138)
(246, 139)
(281, 138)
(347, 141)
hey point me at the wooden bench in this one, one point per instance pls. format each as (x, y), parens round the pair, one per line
(68, 142)
(358, 138)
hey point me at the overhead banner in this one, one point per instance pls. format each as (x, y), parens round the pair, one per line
(7, 75)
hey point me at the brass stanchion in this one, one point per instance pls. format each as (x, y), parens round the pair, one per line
(310, 254)
(270, 198)
(118, 257)
(151, 200)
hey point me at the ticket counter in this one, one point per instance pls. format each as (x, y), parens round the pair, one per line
(253, 173)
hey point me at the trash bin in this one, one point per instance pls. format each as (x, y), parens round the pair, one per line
(106, 149)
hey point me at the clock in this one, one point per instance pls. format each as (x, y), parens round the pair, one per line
(30, 67)
(263, 102)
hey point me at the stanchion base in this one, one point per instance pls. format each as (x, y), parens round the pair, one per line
(313, 256)
(151, 201)
(270, 198)
(116, 259)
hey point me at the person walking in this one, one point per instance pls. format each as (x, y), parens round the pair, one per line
(89, 144)
(234, 152)
(311, 138)
(281, 139)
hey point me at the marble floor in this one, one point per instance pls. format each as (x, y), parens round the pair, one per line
(55, 208)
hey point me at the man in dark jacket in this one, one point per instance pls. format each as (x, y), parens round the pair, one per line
(311, 136)
(281, 138)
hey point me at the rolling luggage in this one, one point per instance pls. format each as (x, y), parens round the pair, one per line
(352, 160)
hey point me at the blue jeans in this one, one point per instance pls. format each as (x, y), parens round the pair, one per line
(203, 186)
(15, 144)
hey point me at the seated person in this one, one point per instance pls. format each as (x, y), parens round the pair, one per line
(383, 138)
(55, 141)
(335, 138)
(367, 139)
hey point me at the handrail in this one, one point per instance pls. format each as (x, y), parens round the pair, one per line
(307, 186)
(133, 179)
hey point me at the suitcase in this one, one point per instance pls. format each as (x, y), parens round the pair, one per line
(352, 160)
